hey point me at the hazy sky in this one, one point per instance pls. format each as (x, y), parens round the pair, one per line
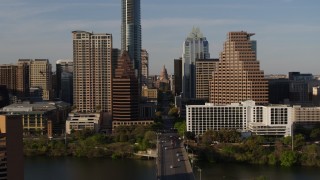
(287, 31)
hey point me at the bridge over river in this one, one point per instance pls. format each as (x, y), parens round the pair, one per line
(172, 161)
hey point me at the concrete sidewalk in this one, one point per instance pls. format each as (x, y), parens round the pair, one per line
(187, 162)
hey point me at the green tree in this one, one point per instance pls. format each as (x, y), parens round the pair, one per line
(311, 155)
(190, 135)
(207, 137)
(272, 160)
(288, 158)
(315, 134)
(181, 127)
(174, 112)
(298, 141)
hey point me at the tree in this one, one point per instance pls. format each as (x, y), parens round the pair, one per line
(158, 115)
(189, 135)
(173, 112)
(311, 155)
(315, 134)
(181, 127)
(298, 141)
(207, 137)
(288, 158)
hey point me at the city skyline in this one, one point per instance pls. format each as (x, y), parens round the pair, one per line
(286, 30)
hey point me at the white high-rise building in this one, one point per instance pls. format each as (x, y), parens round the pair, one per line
(195, 47)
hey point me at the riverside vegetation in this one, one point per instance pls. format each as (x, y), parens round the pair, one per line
(122, 144)
(228, 146)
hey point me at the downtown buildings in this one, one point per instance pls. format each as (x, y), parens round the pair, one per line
(238, 76)
(64, 74)
(271, 120)
(11, 147)
(195, 47)
(131, 33)
(92, 71)
(27, 77)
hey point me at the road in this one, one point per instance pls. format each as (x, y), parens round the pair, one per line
(173, 163)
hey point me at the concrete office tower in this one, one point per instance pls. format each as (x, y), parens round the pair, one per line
(204, 70)
(195, 47)
(8, 77)
(64, 74)
(177, 76)
(92, 75)
(11, 147)
(238, 76)
(131, 32)
(40, 77)
(23, 78)
(125, 94)
(144, 67)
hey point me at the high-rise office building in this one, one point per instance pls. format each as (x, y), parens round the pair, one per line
(40, 77)
(125, 91)
(131, 32)
(144, 66)
(92, 75)
(23, 78)
(204, 70)
(177, 76)
(8, 77)
(238, 76)
(195, 47)
(64, 75)
(116, 53)
(4, 96)
(11, 147)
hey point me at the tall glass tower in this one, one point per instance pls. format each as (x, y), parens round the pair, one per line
(131, 32)
(195, 47)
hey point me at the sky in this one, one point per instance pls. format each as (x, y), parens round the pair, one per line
(287, 31)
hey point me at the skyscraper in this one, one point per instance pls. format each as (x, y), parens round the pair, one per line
(23, 78)
(131, 32)
(204, 70)
(64, 73)
(92, 76)
(195, 47)
(40, 77)
(144, 66)
(238, 76)
(177, 76)
(8, 77)
(125, 103)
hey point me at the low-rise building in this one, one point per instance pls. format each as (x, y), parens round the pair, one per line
(35, 116)
(81, 121)
(244, 117)
(115, 124)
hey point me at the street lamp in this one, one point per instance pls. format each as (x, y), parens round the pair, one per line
(200, 172)
(191, 156)
(292, 126)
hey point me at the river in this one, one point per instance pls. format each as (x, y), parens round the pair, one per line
(42, 168)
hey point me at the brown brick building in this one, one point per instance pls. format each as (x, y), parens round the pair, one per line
(238, 76)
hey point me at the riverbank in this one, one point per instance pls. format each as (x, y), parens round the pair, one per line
(122, 144)
(253, 151)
